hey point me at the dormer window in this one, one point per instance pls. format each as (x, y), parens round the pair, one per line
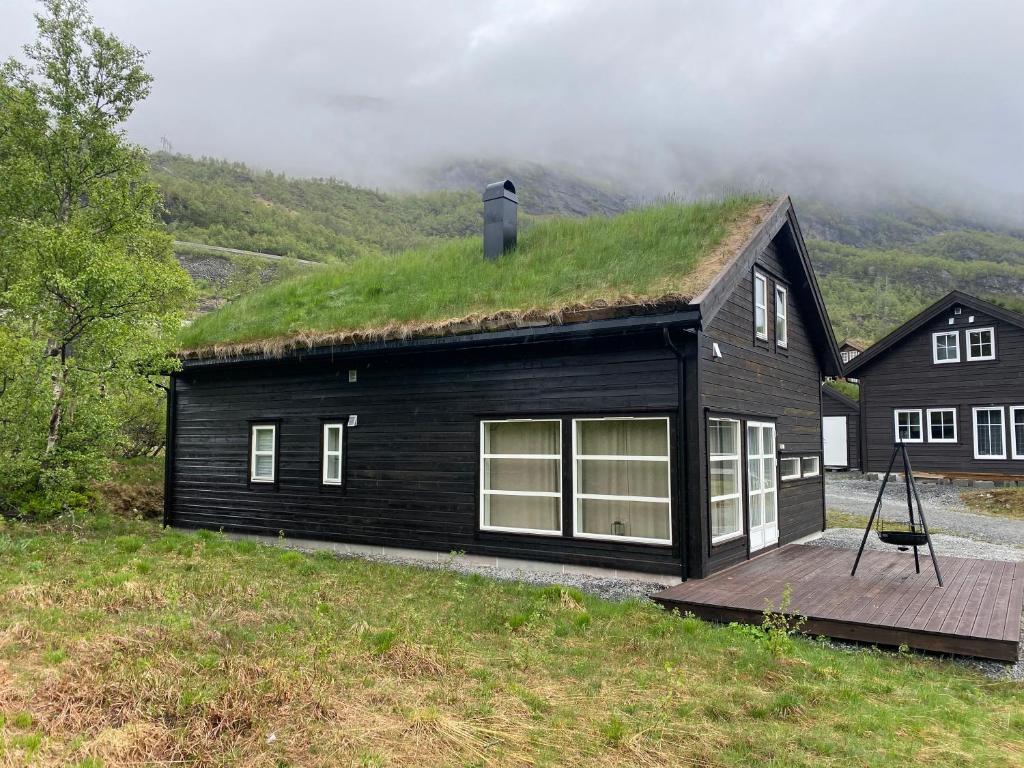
(761, 306)
(981, 344)
(946, 347)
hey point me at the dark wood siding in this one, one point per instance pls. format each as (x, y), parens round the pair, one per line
(832, 406)
(411, 464)
(753, 378)
(905, 377)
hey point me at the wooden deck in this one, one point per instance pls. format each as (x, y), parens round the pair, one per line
(976, 613)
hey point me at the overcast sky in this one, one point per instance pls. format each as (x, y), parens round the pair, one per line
(925, 96)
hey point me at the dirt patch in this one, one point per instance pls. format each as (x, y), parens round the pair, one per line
(134, 499)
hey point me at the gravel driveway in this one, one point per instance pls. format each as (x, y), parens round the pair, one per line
(942, 507)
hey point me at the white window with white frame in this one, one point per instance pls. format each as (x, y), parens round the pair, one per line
(332, 443)
(760, 306)
(1017, 430)
(521, 476)
(781, 316)
(726, 486)
(810, 466)
(263, 449)
(789, 467)
(942, 425)
(908, 424)
(946, 347)
(989, 434)
(621, 487)
(981, 344)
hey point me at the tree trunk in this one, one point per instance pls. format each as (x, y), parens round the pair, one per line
(60, 381)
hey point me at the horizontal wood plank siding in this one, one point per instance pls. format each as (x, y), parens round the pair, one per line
(906, 377)
(411, 464)
(754, 378)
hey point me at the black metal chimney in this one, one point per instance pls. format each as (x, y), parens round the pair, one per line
(500, 218)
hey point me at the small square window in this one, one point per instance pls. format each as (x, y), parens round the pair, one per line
(946, 347)
(810, 466)
(981, 344)
(942, 425)
(908, 425)
(789, 467)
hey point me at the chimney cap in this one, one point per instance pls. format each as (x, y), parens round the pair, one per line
(498, 189)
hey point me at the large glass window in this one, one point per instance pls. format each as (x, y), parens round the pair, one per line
(942, 425)
(908, 425)
(981, 344)
(1017, 430)
(781, 317)
(724, 479)
(989, 437)
(760, 306)
(332, 454)
(263, 447)
(946, 347)
(621, 479)
(521, 476)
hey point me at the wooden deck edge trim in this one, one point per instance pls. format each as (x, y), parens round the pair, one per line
(987, 648)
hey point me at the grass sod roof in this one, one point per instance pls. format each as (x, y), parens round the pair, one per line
(564, 270)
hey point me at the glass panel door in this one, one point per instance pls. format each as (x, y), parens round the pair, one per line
(762, 493)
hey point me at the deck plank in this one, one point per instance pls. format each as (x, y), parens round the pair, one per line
(887, 602)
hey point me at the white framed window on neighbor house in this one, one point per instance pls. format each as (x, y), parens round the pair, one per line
(942, 425)
(621, 486)
(781, 316)
(263, 450)
(989, 434)
(810, 466)
(521, 476)
(725, 484)
(1017, 431)
(981, 343)
(789, 467)
(760, 306)
(946, 347)
(333, 436)
(907, 422)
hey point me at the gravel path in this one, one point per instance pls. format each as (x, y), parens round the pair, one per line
(942, 506)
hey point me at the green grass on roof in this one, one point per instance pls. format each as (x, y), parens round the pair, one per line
(647, 252)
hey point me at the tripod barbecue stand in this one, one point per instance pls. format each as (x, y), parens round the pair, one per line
(904, 536)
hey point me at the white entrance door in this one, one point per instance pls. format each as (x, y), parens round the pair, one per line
(762, 494)
(833, 433)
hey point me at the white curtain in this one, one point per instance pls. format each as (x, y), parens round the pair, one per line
(523, 439)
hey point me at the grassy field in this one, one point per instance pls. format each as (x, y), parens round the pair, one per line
(1000, 502)
(560, 262)
(121, 644)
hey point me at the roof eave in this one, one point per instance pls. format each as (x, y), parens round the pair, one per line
(690, 317)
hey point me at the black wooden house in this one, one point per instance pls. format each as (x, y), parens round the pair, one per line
(950, 384)
(672, 438)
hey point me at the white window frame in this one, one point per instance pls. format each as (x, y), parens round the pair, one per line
(484, 492)
(1002, 423)
(782, 292)
(931, 438)
(327, 454)
(896, 424)
(799, 467)
(740, 465)
(935, 347)
(974, 332)
(1018, 450)
(577, 496)
(817, 466)
(762, 281)
(253, 453)
(766, 534)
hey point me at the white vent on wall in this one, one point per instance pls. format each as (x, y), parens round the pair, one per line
(716, 351)
(352, 375)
